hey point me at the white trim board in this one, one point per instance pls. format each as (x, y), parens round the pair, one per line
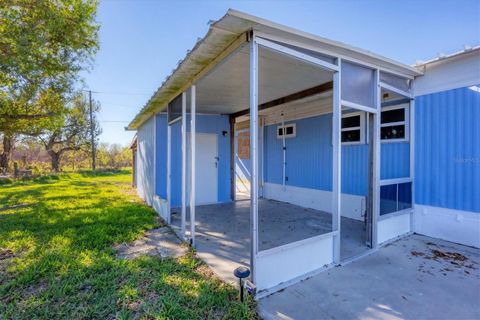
(457, 226)
(456, 72)
(393, 227)
(353, 206)
(279, 267)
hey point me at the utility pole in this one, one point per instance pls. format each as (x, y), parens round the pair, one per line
(92, 136)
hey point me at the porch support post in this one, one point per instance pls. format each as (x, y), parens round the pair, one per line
(193, 129)
(184, 163)
(412, 160)
(376, 159)
(337, 161)
(169, 173)
(254, 153)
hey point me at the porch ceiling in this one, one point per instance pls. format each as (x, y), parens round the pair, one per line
(226, 89)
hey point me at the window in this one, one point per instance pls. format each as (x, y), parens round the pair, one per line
(289, 129)
(394, 123)
(353, 128)
(395, 197)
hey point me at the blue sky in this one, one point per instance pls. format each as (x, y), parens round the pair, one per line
(142, 41)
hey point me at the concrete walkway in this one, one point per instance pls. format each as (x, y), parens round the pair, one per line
(413, 278)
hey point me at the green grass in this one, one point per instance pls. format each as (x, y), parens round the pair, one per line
(57, 261)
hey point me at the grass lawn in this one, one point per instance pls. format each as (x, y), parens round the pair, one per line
(57, 261)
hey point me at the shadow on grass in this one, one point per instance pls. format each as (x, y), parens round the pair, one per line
(64, 265)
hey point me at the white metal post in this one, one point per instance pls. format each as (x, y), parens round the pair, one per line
(254, 153)
(262, 155)
(184, 163)
(337, 161)
(169, 173)
(154, 157)
(193, 129)
(376, 159)
(412, 161)
(284, 154)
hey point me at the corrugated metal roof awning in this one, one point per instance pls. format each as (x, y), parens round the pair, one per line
(228, 34)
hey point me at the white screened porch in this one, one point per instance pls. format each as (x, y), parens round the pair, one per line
(258, 75)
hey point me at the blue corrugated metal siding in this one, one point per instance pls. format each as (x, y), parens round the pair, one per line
(309, 154)
(176, 165)
(309, 158)
(161, 156)
(145, 163)
(447, 149)
(395, 160)
(205, 124)
(355, 169)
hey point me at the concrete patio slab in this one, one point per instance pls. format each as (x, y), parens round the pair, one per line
(223, 231)
(413, 278)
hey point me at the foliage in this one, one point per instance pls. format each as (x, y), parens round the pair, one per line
(57, 259)
(113, 156)
(31, 155)
(44, 44)
(75, 134)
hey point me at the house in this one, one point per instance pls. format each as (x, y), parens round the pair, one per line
(288, 153)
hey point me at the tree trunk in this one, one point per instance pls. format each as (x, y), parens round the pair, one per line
(5, 156)
(55, 160)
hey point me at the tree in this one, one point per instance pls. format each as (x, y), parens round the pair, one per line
(74, 134)
(44, 44)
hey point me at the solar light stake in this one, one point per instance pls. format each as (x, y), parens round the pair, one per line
(241, 273)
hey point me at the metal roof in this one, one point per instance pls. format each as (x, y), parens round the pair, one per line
(444, 57)
(231, 29)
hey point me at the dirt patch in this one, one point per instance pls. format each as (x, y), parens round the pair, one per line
(417, 254)
(437, 254)
(161, 242)
(15, 206)
(6, 254)
(456, 261)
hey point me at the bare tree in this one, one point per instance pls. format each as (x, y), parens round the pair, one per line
(74, 134)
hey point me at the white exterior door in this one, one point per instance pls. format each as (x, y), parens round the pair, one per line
(206, 168)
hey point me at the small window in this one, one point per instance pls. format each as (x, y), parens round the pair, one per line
(353, 128)
(290, 131)
(394, 123)
(395, 197)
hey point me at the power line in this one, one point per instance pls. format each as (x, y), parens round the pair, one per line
(113, 104)
(121, 93)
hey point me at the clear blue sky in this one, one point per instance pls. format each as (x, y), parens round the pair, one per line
(142, 41)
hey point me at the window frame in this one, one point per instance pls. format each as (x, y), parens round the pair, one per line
(361, 127)
(287, 136)
(405, 123)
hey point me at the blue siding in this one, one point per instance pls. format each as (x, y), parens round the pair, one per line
(205, 124)
(161, 156)
(309, 158)
(355, 169)
(394, 160)
(309, 154)
(176, 166)
(447, 149)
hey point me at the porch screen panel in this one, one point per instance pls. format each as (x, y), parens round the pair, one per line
(395, 81)
(358, 84)
(175, 109)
